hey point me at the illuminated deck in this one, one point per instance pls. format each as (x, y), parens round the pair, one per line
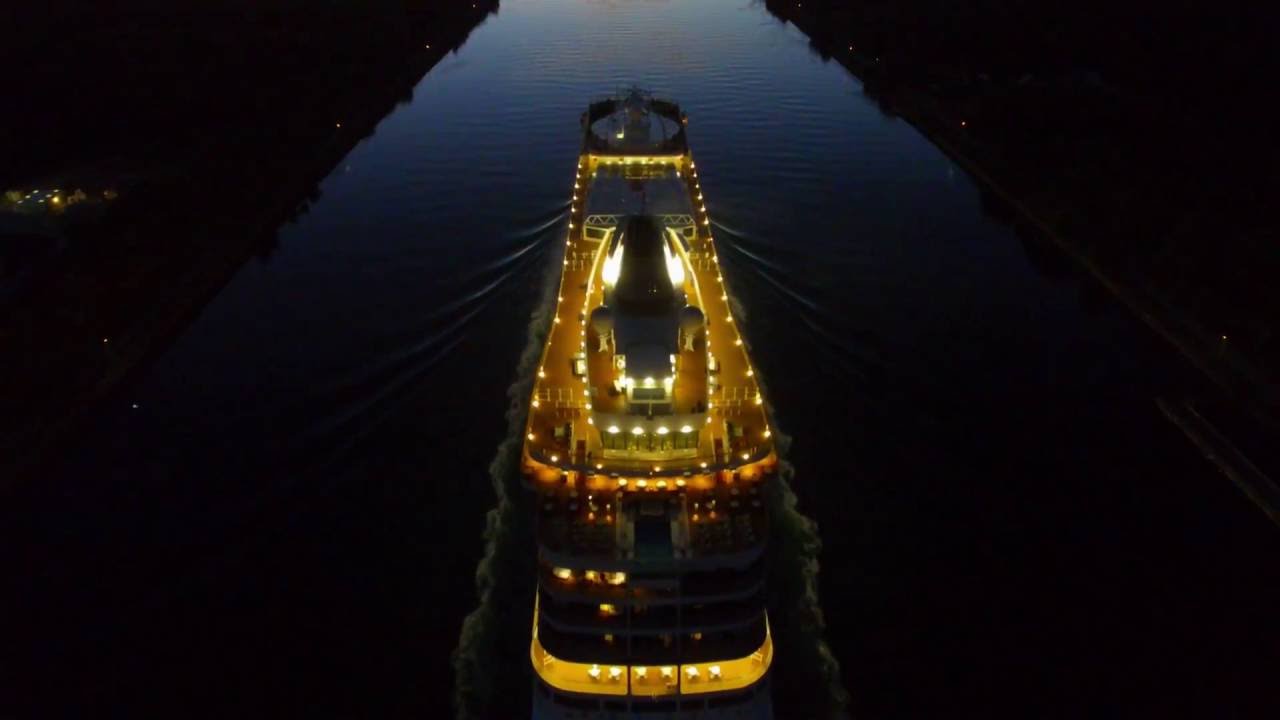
(647, 444)
(561, 435)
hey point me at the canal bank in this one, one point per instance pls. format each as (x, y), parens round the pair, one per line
(1108, 174)
(210, 130)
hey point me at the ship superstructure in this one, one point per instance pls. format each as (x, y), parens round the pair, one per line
(648, 447)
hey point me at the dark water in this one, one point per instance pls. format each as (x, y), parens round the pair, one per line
(290, 518)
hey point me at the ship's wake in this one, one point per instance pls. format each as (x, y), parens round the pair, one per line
(785, 279)
(366, 396)
(491, 663)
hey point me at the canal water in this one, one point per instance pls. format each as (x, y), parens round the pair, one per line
(285, 511)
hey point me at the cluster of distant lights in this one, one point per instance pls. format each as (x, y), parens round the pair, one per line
(41, 196)
(53, 197)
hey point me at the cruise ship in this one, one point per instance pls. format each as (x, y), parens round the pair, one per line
(648, 446)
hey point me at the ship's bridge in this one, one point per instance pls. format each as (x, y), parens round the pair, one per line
(634, 124)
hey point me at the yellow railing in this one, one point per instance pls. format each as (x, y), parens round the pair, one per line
(649, 681)
(673, 158)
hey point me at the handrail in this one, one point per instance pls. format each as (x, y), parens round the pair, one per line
(646, 681)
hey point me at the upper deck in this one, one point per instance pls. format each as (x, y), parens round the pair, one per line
(652, 385)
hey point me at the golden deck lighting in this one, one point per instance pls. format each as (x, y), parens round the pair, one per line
(643, 451)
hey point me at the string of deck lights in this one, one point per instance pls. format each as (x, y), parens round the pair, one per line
(738, 342)
(724, 296)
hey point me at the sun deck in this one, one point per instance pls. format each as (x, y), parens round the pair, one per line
(562, 434)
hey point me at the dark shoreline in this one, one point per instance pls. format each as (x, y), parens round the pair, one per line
(202, 205)
(941, 98)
